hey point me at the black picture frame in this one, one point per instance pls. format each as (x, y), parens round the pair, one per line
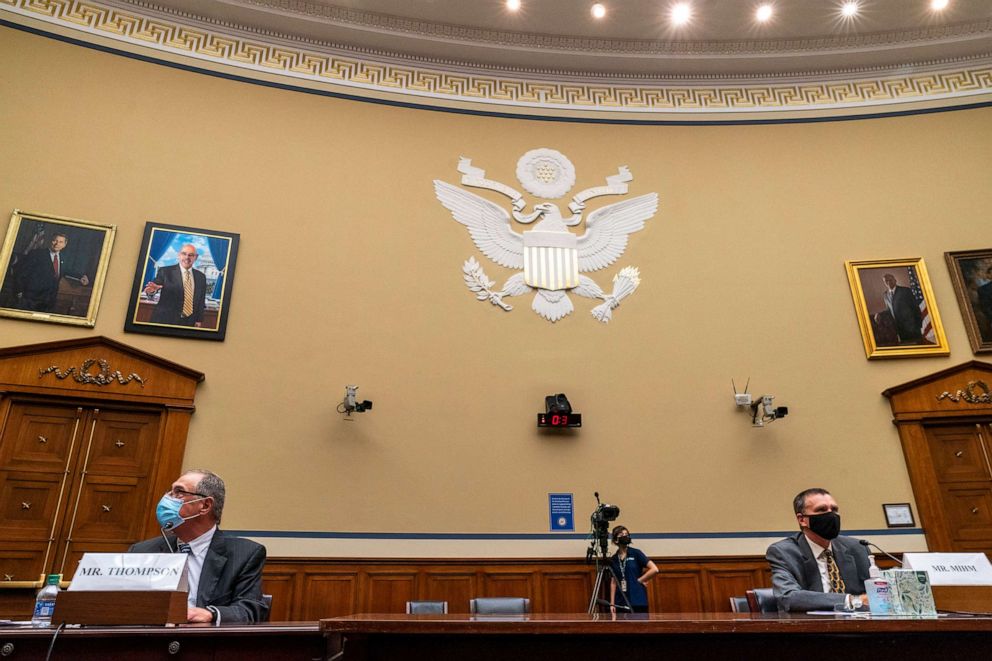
(896, 513)
(158, 310)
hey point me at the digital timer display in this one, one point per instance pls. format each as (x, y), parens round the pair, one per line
(559, 420)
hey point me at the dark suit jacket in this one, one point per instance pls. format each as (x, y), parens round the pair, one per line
(169, 309)
(796, 578)
(908, 318)
(231, 579)
(36, 281)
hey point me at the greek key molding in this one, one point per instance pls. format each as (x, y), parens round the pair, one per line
(308, 64)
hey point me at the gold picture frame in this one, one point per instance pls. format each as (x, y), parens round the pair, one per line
(53, 268)
(971, 275)
(896, 308)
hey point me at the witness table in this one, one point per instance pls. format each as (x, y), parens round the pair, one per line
(693, 636)
(189, 642)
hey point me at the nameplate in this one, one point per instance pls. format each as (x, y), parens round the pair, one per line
(951, 568)
(131, 571)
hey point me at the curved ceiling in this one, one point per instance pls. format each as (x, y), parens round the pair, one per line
(635, 38)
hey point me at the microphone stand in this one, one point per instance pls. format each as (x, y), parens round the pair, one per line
(866, 544)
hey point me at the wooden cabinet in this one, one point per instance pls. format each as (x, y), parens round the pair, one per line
(945, 425)
(92, 432)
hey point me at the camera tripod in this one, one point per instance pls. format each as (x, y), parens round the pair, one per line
(605, 574)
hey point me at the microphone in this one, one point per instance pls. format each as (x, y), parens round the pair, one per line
(170, 526)
(866, 544)
(604, 602)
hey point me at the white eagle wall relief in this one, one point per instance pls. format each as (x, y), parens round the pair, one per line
(550, 256)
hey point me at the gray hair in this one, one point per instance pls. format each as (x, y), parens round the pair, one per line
(211, 485)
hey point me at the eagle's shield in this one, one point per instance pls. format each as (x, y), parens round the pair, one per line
(551, 259)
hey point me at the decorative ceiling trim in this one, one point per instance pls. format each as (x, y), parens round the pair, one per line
(362, 19)
(315, 67)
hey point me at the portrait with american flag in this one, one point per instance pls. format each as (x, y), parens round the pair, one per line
(896, 309)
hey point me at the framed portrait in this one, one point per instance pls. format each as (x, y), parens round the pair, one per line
(53, 268)
(896, 308)
(183, 282)
(898, 515)
(971, 275)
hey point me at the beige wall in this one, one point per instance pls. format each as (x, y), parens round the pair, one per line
(350, 272)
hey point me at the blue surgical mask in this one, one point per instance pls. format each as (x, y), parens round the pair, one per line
(167, 512)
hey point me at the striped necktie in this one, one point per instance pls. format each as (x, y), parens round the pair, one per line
(187, 294)
(183, 547)
(833, 573)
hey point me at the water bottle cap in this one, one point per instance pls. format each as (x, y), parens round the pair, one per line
(53, 579)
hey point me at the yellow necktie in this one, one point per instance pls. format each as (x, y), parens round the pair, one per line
(833, 573)
(187, 294)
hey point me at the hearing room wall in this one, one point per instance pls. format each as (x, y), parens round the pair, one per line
(350, 272)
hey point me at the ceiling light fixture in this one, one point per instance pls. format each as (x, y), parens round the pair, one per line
(598, 10)
(513, 5)
(939, 5)
(681, 13)
(764, 12)
(849, 9)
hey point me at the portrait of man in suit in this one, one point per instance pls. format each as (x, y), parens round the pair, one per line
(38, 273)
(224, 572)
(182, 291)
(984, 293)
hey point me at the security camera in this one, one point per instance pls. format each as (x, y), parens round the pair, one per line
(351, 404)
(763, 410)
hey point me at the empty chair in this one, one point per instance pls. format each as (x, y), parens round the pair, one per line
(426, 607)
(499, 606)
(762, 600)
(739, 605)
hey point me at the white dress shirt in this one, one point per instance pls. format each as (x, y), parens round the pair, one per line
(199, 547)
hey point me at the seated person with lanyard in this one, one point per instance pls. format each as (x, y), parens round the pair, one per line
(225, 573)
(817, 568)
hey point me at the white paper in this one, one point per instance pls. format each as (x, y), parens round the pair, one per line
(951, 568)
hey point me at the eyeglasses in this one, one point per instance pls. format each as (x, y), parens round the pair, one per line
(178, 493)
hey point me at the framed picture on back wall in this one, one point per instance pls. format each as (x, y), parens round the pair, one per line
(896, 308)
(971, 275)
(53, 268)
(183, 282)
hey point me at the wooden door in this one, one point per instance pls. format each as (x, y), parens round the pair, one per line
(72, 480)
(961, 456)
(39, 447)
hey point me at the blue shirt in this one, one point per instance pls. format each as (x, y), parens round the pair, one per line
(634, 565)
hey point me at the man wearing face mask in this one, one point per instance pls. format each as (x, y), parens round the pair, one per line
(818, 569)
(225, 573)
(632, 569)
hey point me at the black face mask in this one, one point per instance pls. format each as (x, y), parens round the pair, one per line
(623, 540)
(826, 525)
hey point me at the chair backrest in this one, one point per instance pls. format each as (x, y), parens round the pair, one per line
(762, 600)
(499, 606)
(739, 605)
(426, 607)
(267, 599)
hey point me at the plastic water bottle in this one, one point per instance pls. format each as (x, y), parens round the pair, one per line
(44, 605)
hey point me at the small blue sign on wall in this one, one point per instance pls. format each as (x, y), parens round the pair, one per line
(561, 512)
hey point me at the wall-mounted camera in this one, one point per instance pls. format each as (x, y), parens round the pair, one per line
(350, 404)
(762, 408)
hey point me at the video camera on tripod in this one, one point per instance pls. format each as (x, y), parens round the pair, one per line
(600, 533)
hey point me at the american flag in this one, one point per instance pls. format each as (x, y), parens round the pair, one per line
(914, 285)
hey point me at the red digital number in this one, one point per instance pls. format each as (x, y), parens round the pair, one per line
(564, 421)
(554, 420)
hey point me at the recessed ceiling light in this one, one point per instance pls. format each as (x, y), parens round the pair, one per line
(849, 9)
(513, 5)
(598, 10)
(681, 13)
(938, 5)
(764, 12)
